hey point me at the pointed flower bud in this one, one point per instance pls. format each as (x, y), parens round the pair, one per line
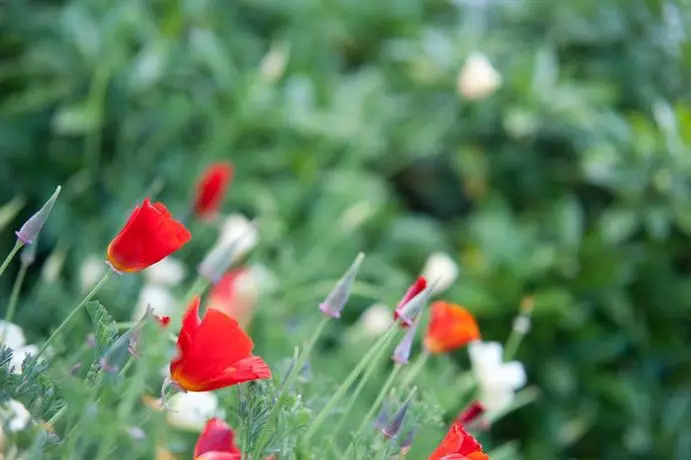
(401, 355)
(32, 227)
(407, 313)
(394, 426)
(383, 417)
(335, 302)
(407, 442)
(217, 261)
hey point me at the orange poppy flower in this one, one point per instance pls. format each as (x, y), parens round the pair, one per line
(450, 326)
(417, 287)
(212, 188)
(149, 235)
(236, 295)
(214, 352)
(216, 442)
(458, 445)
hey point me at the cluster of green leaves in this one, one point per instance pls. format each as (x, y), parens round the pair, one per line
(570, 184)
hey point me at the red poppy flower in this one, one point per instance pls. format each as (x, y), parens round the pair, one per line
(212, 188)
(236, 295)
(458, 445)
(214, 352)
(149, 235)
(216, 442)
(417, 287)
(450, 326)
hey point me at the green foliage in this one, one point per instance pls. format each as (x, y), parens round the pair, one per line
(570, 184)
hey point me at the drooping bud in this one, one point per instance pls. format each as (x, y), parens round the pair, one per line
(32, 227)
(335, 302)
(394, 426)
(401, 355)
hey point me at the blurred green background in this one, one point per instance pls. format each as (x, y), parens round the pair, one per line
(570, 183)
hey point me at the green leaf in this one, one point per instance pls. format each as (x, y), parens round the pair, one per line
(104, 326)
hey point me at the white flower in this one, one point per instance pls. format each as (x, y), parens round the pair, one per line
(159, 298)
(15, 415)
(92, 270)
(273, 64)
(169, 272)
(376, 320)
(442, 269)
(190, 411)
(497, 380)
(237, 228)
(477, 79)
(12, 336)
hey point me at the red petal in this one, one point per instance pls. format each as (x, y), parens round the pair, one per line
(216, 437)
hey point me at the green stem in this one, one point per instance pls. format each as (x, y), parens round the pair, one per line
(14, 297)
(414, 370)
(294, 372)
(319, 419)
(374, 364)
(13, 252)
(512, 344)
(380, 398)
(74, 312)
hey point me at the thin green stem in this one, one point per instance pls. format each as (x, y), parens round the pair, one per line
(374, 364)
(380, 398)
(14, 296)
(74, 312)
(513, 342)
(319, 419)
(13, 252)
(414, 370)
(294, 372)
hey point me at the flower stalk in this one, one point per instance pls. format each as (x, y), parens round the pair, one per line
(13, 252)
(74, 312)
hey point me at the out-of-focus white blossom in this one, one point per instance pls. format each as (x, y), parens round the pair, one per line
(168, 272)
(477, 79)
(159, 298)
(356, 215)
(442, 268)
(190, 411)
(52, 268)
(273, 64)
(497, 381)
(14, 415)
(375, 320)
(236, 228)
(12, 336)
(92, 270)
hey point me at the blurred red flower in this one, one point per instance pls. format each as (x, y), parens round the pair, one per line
(214, 352)
(149, 235)
(458, 445)
(450, 326)
(211, 189)
(216, 442)
(417, 287)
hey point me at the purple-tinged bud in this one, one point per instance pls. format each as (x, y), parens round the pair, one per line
(411, 309)
(106, 366)
(407, 442)
(335, 302)
(401, 355)
(383, 417)
(32, 227)
(394, 426)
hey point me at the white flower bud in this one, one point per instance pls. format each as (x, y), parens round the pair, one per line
(477, 79)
